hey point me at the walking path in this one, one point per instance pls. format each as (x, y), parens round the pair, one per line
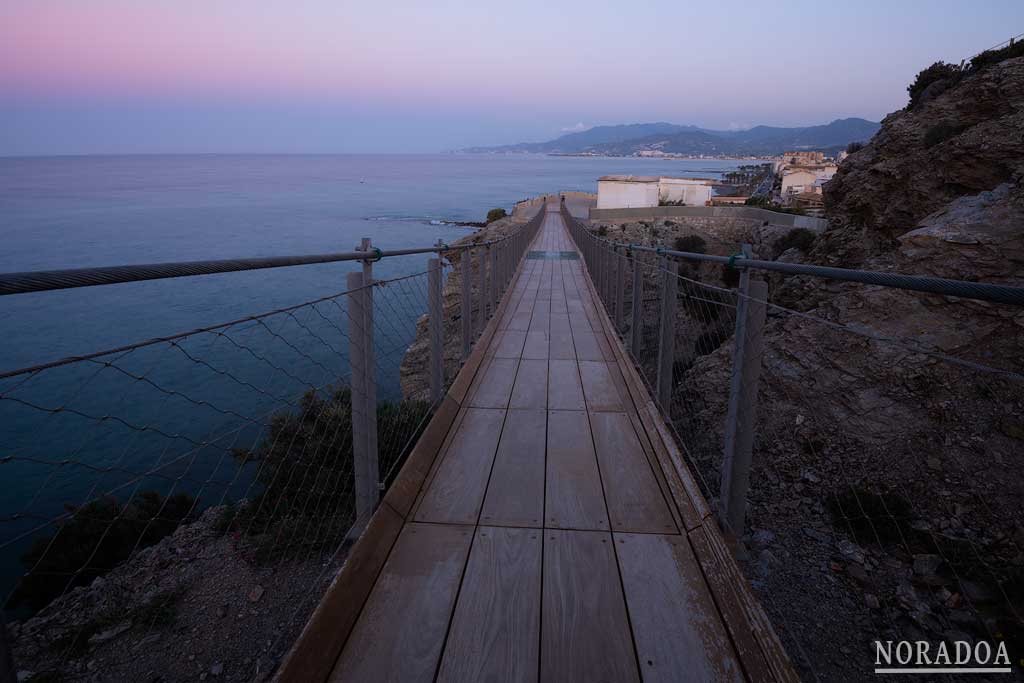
(555, 534)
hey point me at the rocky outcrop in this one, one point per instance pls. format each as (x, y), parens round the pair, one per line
(888, 459)
(194, 606)
(964, 141)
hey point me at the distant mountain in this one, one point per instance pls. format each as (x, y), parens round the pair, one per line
(630, 139)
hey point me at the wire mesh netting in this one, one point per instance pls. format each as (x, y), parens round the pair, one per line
(181, 504)
(885, 490)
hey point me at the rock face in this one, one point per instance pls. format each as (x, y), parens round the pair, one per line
(964, 141)
(875, 425)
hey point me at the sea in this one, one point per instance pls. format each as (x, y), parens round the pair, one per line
(88, 429)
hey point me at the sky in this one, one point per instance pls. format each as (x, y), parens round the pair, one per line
(327, 76)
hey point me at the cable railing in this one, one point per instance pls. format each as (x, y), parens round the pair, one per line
(867, 468)
(181, 504)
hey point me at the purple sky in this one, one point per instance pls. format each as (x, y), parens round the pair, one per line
(117, 76)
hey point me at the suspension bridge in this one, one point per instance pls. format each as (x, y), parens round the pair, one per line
(535, 509)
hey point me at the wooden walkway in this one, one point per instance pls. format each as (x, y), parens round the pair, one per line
(545, 527)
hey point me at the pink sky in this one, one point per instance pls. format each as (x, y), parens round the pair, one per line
(463, 73)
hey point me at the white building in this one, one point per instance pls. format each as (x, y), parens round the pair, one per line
(799, 180)
(628, 192)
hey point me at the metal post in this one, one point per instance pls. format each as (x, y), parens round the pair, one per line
(365, 486)
(466, 264)
(636, 322)
(481, 312)
(667, 335)
(494, 281)
(740, 419)
(370, 373)
(620, 289)
(436, 330)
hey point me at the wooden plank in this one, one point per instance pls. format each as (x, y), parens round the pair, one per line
(572, 495)
(598, 387)
(531, 387)
(536, 344)
(560, 345)
(495, 632)
(676, 627)
(495, 387)
(565, 391)
(635, 502)
(771, 647)
(586, 345)
(733, 616)
(509, 344)
(404, 490)
(401, 631)
(315, 652)
(515, 493)
(456, 491)
(585, 631)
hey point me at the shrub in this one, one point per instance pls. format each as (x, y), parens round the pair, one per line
(989, 57)
(694, 244)
(759, 200)
(939, 71)
(854, 147)
(95, 539)
(730, 276)
(306, 473)
(495, 215)
(941, 132)
(602, 231)
(801, 238)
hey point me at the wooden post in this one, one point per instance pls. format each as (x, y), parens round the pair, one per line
(667, 336)
(370, 374)
(493, 302)
(365, 486)
(636, 322)
(436, 326)
(481, 311)
(620, 289)
(466, 265)
(742, 412)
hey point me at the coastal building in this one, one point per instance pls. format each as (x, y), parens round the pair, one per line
(803, 158)
(627, 192)
(796, 181)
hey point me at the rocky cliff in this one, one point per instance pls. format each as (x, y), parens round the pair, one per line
(887, 492)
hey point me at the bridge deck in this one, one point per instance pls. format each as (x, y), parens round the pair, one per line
(554, 533)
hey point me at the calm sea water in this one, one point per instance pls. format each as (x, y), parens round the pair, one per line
(97, 211)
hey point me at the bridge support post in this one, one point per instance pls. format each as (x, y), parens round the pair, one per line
(365, 487)
(742, 412)
(667, 333)
(620, 289)
(481, 310)
(370, 373)
(493, 282)
(466, 302)
(637, 306)
(436, 328)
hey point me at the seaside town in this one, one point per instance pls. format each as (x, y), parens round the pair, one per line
(793, 181)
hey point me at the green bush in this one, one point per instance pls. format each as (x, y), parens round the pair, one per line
(694, 244)
(939, 71)
(495, 215)
(989, 57)
(730, 276)
(96, 538)
(602, 230)
(801, 238)
(306, 503)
